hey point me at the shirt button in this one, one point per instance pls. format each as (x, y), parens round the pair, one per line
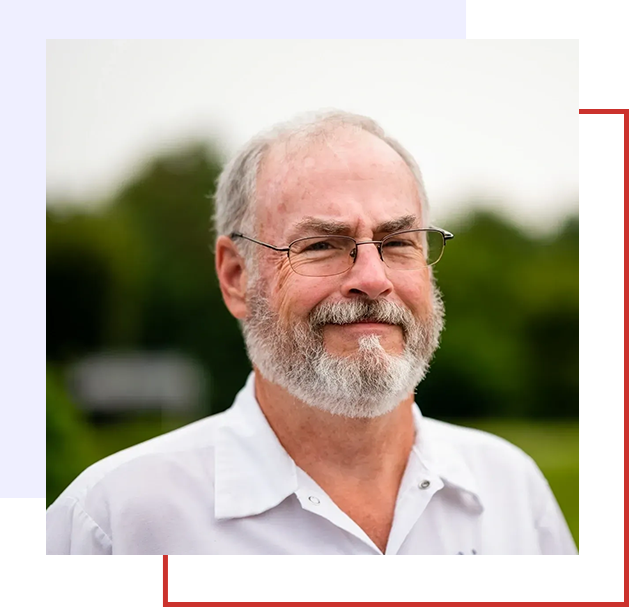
(314, 500)
(424, 484)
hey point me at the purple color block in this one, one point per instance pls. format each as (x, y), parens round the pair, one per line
(601, 235)
(601, 198)
(601, 426)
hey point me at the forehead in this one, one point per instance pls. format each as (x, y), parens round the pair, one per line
(352, 177)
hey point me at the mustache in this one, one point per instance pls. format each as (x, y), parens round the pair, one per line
(361, 310)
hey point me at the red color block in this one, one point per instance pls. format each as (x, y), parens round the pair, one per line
(603, 136)
(196, 581)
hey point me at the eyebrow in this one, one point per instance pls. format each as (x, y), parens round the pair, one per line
(335, 228)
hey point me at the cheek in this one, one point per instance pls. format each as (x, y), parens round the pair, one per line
(417, 294)
(282, 275)
(286, 294)
(295, 296)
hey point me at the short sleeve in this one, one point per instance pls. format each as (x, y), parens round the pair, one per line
(71, 530)
(555, 538)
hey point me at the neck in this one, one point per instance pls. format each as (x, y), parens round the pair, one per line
(330, 446)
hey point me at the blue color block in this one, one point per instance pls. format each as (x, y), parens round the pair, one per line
(601, 277)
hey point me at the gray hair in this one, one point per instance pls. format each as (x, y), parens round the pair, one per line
(234, 208)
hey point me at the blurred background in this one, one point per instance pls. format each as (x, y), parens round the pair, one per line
(138, 339)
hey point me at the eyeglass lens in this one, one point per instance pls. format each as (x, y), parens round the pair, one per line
(330, 255)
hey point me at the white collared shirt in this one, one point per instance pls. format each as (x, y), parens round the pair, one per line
(225, 485)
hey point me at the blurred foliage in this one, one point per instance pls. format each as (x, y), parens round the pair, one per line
(510, 348)
(69, 445)
(138, 274)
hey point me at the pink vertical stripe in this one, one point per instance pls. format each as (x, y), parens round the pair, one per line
(601, 426)
(601, 235)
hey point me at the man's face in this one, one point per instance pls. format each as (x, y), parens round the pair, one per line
(358, 185)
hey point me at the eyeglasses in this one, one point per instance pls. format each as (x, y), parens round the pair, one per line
(331, 255)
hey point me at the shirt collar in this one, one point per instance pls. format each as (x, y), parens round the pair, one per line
(253, 472)
(439, 454)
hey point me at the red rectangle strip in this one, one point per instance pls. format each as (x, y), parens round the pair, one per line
(202, 580)
(195, 581)
(603, 147)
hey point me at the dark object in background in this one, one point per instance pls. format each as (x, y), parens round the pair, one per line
(139, 275)
(111, 383)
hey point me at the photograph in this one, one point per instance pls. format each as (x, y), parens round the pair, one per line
(312, 297)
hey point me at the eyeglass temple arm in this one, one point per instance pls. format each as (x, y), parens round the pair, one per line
(264, 244)
(446, 235)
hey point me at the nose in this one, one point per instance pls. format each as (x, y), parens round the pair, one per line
(368, 276)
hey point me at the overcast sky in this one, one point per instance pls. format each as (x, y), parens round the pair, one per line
(497, 119)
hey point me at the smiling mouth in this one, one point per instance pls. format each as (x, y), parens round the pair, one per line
(362, 322)
(371, 322)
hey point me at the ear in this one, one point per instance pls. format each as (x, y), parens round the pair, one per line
(232, 276)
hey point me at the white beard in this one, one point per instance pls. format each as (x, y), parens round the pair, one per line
(368, 383)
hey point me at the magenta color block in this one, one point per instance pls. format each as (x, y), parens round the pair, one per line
(601, 426)
(601, 235)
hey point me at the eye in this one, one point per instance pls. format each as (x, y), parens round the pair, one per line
(399, 242)
(321, 245)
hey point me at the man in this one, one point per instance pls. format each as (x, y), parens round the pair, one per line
(324, 255)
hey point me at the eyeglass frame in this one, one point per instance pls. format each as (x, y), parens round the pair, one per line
(354, 253)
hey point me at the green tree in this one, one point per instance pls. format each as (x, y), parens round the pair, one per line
(140, 274)
(170, 205)
(509, 348)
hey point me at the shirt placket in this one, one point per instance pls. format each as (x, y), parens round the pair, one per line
(313, 499)
(419, 485)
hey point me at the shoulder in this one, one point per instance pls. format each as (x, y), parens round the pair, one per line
(515, 495)
(490, 459)
(471, 442)
(136, 494)
(157, 456)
